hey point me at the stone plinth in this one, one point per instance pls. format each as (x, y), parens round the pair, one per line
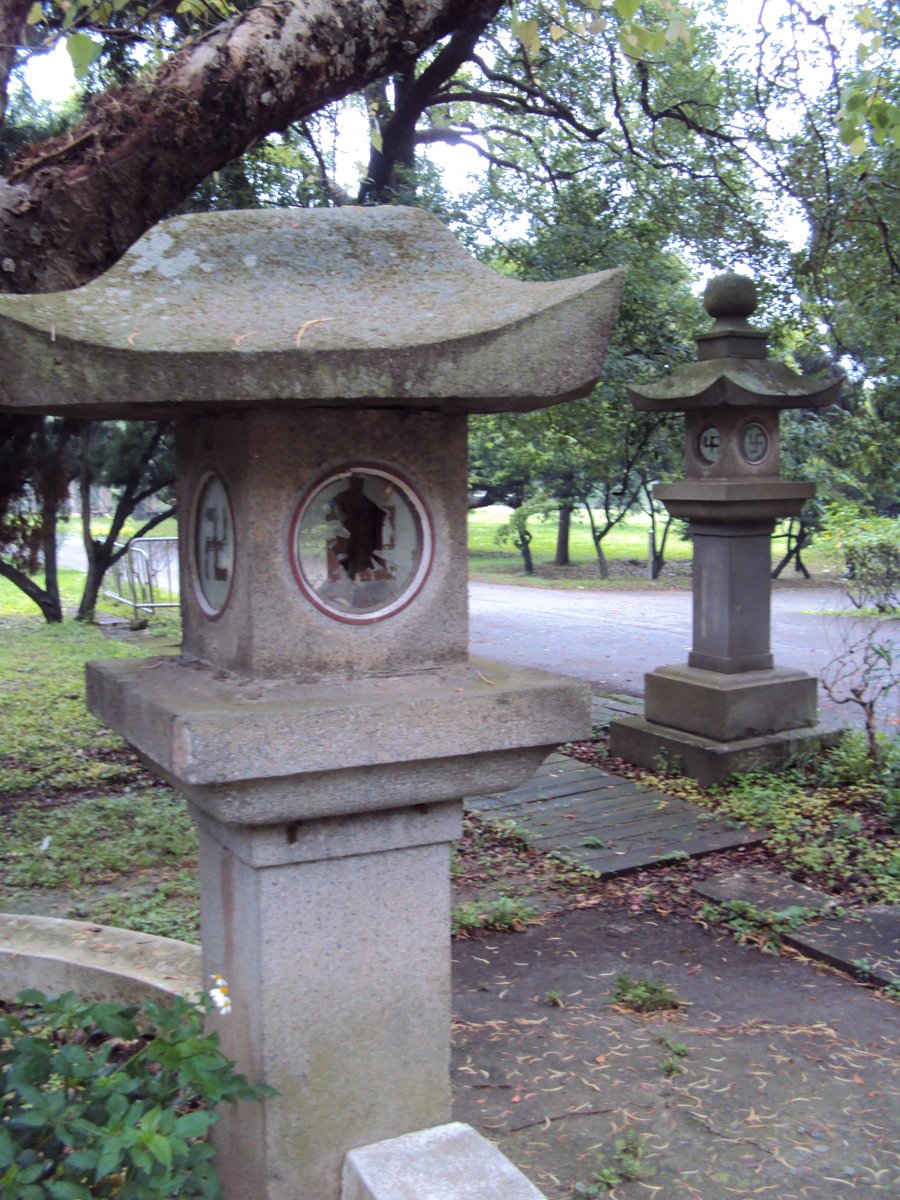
(326, 813)
(258, 752)
(729, 706)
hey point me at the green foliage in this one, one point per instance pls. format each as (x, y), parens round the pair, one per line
(821, 817)
(48, 740)
(870, 548)
(503, 912)
(644, 995)
(751, 925)
(627, 1163)
(106, 1100)
(554, 1000)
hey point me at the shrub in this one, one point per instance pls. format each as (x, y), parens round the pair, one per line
(104, 1100)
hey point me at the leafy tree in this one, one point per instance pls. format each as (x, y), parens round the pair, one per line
(37, 463)
(136, 460)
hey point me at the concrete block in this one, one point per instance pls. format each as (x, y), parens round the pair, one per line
(645, 744)
(449, 1162)
(727, 708)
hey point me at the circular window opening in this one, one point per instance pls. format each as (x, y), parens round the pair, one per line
(213, 542)
(754, 443)
(361, 544)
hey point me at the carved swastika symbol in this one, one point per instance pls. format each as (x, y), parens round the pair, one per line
(754, 443)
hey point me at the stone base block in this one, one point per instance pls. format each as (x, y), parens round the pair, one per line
(646, 744)
(728, 708)
(256, 752)
(448, 1162)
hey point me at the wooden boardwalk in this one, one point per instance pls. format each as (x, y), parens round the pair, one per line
(606, 823)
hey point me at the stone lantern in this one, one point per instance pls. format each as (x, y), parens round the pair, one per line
(324, 718)
(730, 707)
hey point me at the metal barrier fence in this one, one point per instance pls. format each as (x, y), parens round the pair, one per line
(147, 571)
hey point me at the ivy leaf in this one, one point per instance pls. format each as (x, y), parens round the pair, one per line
(83, 51)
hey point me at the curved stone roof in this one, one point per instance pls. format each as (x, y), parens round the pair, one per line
(735, 382)
(351, 307)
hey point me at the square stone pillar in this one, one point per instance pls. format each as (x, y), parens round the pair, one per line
(332, 935)
(732, 595)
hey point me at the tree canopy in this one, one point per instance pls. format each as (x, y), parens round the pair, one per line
(650, 133)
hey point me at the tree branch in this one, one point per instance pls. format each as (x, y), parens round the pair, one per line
(143, 148)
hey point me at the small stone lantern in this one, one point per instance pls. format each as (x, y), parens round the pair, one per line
(324, 717)
(730, 707)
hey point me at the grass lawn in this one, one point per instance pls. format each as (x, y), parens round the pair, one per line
(493, 559)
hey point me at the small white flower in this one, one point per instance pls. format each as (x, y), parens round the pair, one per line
(45, 844)
(218, 993)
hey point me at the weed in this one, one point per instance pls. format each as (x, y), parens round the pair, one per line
(892, 991)
(507, 827)
(593, 843)
(627, 1164)
(171, 909)
(554, 1000)
(863, 968)
(672, 1064)
(645, 995)
(750, 925)
(675, 856)
(503, 912)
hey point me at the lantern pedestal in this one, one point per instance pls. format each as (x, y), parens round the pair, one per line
(729, 708)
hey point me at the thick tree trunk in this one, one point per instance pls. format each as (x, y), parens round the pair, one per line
(12, 19)
(523, 543)
(69, 208)
(563, 529)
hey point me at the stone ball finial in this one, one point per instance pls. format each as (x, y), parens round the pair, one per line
(730, 297)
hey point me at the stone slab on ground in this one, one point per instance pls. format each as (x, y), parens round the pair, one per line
(867, 943)
(784, 1081)
(446, 1162)
(605, 823)
(767, 890)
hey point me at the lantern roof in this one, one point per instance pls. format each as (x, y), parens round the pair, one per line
(732, 367)
(349, 307)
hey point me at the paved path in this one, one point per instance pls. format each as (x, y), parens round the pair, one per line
(606, 823)
(612, 638)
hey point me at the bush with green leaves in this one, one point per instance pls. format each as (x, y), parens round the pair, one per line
(870, 548)
(110, 1100)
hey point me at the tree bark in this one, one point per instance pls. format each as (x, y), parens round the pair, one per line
(12, 21)
(70, 207)
(562, 535)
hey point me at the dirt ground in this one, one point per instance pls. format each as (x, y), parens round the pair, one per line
(776, 1078)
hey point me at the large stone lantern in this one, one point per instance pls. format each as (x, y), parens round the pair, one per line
(324, 718)
(730, 707)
